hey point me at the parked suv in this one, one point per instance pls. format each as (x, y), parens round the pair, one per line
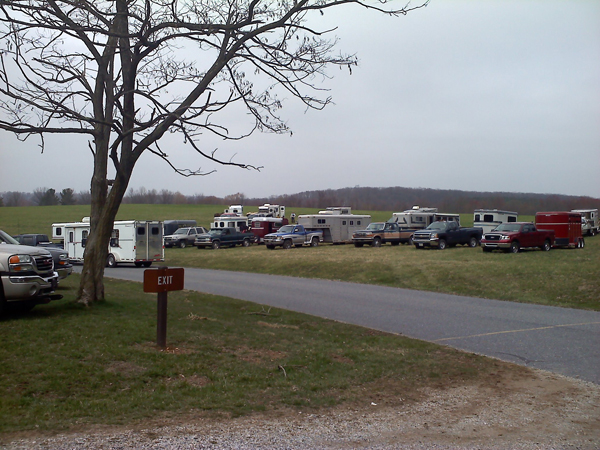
(184, 236)
(27, 274)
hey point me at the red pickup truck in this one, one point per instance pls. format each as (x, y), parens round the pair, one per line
(513, 236)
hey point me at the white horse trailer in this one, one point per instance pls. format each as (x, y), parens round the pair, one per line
(488, 219)
(131, 241)
(337, 224)
(590, 223)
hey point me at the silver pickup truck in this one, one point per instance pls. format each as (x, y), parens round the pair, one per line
(27, 274)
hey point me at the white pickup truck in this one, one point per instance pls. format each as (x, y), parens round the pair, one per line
(27, 274)
(295, 235)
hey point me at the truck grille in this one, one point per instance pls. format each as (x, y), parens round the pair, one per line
(44, 263)
(492, 237)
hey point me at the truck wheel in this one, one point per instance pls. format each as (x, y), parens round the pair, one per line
(514, 247)
(2, 301)
(216, 245)
(287, 244)
(410, 241)
(246, 243)
(111, 261)
(442, 244)
(376, 242)
(182, 244)
(473, 242)
(314, 242)
(546, 246)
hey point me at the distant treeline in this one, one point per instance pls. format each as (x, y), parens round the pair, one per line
(359, 198)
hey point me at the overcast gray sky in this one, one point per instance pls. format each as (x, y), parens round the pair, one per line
(471, 95)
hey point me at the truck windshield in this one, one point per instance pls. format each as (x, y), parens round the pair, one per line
(437, 226)
(376, 226)
(7, 239)
(286, 229)
(182, 231)
(508, 227)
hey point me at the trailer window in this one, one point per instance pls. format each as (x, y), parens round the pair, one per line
(114, 238)
(343, 222)
(141, 231)
(488, 218)
(321, 221)
(512, 219)
(477, 218)
(84, 236)
(154, 231)
(70, 236)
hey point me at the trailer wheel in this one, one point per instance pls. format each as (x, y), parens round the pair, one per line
(314, 242)
(442, 244)
(137, 264)
(182, 243)
(473, 242)
(376, 242)
(111, 261)
(546, 247)
(581, 243)
(514, 247)
(216, 245)
(287, 244)
(147, 263)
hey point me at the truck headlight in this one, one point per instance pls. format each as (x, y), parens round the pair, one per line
(504, 238)
(433, 236)
(19, 263)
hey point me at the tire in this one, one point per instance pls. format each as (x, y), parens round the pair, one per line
(182, 243)
(581, 243)
(546, 246)
(514, 247)
(287, 244)
(442, 244)
(376, 242)
(111, 261)
(410, 241)
(473, 242)
(314, 242)
(216, 245)
(2, 301)
(358, 244)
(138, 264)
(246, 243)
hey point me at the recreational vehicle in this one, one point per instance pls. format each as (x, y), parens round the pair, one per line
(488, 219)
(131, 241)
(590, 222)
(337, 223)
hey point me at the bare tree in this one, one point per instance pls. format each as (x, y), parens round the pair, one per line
(112, 71)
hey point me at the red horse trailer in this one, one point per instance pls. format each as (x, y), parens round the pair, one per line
(566, 226)
(261, 226)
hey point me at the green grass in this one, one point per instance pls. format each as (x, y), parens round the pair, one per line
(66, 366)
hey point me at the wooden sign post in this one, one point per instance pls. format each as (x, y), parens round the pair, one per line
(162, 280)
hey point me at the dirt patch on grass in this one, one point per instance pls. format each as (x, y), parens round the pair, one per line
(526, 410)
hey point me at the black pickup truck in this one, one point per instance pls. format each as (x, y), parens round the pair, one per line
(443, 234)
(223, 237)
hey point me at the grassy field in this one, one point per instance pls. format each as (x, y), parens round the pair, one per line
(65, 366)
(561, 277)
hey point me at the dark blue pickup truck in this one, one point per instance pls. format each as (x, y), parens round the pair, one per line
(444, 234)
(223, 237)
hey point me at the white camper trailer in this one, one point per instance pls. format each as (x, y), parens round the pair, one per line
(590, 222)
(132, 241)
(488, 219)
(338, 223)
(419, 218)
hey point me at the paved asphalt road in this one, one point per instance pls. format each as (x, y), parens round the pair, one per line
(561, 340)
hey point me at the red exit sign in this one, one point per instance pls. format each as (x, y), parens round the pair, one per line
(163, 279)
